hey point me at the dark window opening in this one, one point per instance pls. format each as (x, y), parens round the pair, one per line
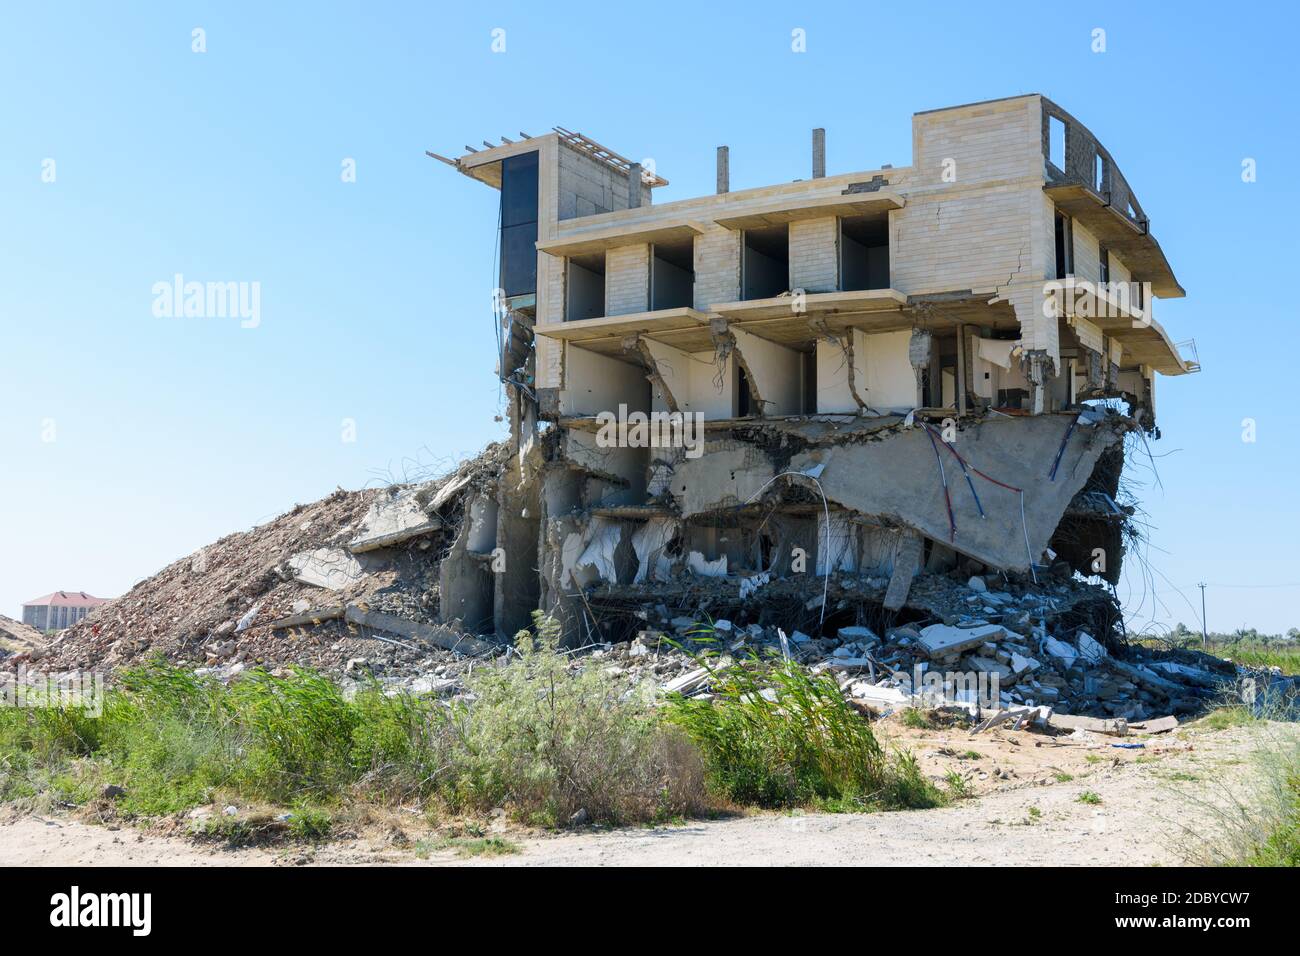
(765, 262)
(743, 403)
(672, 275)
(1103, 266)
(1064, 246)
(810, 382)
(585, 285)
(864, 253)
(519, 224)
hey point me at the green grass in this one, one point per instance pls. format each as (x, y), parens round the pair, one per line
(1257, 654)
(467, 846)
(1035, 813)
(915, 718)
(541, 739)
(776, 735)
(1225, 717)
(1089, 797)
(957, 785)
(1060, 776)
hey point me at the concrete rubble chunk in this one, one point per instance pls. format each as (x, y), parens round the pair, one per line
(436, 634)
(1158, 725)
(1147, 677)
(309, 616)
(939, 640)
(393, 520)
(1089, 649)
(987, 665)
(1116, 727)
(688, 682)
(879, 695)
(906, 561)
(1061, 651)
(1021, 664)
(331, 568)
(446, 492)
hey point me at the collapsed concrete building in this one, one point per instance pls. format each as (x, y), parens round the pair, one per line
(873, 374)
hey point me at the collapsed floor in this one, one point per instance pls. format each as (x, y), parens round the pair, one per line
(843, 543)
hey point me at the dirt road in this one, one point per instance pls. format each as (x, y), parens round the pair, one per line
(1135, 810)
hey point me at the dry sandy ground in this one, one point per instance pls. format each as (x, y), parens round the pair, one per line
(1027, 813)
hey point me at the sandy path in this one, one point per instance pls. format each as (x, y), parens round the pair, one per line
(1141, 820)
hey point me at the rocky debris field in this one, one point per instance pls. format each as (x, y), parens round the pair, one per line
(18, 638)
(348, 581)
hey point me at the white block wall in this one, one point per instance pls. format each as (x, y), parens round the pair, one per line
(717, 266)
(814, 254)
(627, 279)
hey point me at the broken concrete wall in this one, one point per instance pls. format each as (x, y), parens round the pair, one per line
(516, 516)
(728, 474)
(902, 478)
(465, 586)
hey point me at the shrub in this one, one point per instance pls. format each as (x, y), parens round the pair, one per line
(777, 735)
(550, 740)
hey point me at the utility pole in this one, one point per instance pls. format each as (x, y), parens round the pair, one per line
(1205, 640)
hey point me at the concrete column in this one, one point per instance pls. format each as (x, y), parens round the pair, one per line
(961, 370)
(819, 153)
(634, 186)
(724, 169)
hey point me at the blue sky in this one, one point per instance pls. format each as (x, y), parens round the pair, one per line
(375, 295)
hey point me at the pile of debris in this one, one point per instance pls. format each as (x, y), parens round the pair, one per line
(1022, 655)
(18, 638)
(351, 580)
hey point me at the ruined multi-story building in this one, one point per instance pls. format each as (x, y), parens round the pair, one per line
(870, 373)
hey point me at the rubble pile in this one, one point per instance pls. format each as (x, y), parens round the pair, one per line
(18, 638)
(349, 581)
(1017, 640)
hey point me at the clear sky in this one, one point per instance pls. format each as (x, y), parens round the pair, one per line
(128, 440)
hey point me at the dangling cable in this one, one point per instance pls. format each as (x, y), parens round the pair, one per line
(952, 522)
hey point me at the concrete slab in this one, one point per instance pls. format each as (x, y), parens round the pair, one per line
(939, 640)
(897, 478)
(435, 634)
(331, 568)
(394, 519)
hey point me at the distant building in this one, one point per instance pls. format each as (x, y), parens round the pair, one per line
(54, 612)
